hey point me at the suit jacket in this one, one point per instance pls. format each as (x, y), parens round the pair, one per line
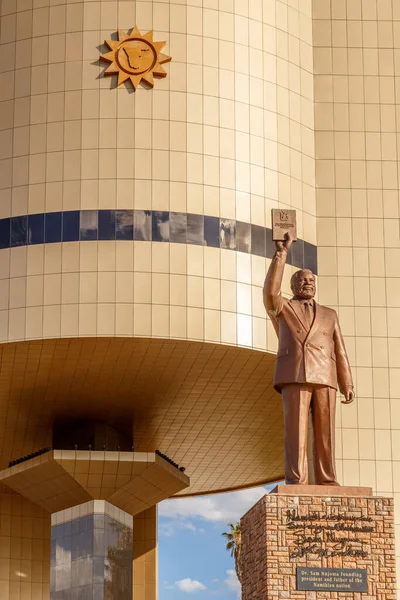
(316, 355)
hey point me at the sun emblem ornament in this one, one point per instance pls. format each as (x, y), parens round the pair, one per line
(135, 57)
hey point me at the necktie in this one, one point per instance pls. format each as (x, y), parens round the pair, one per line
(308, 313)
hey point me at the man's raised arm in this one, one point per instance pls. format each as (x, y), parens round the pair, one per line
(273, 281)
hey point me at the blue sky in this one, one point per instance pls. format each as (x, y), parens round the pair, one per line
(192, 559)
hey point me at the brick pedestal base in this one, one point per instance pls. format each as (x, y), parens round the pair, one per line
(283, 532)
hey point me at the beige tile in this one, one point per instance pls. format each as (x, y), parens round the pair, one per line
(177, 319)
(195, 323)
(106, 287)
(106, 319)
(160, 320)
(178, 291)
(160, 288)
(87, 319)
(142, 288)
(124, 287)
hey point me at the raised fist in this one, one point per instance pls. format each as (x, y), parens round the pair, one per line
(286, 244)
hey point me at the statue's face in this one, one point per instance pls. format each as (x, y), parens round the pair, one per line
(304, 284)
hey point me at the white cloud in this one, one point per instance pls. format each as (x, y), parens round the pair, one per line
(232, 582)
(170, 527)
(189, 526)
(221, 508)
(167, 529)
(189, 586)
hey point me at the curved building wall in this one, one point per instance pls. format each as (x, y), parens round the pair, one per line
(210, 139)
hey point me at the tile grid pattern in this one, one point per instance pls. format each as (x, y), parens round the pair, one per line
(145, 555)
(25, 549)
(92, 507)
(228, 132)
(115, 287)
(357, 68)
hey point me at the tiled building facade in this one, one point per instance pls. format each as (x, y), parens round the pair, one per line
(356, 69)
(135, 229)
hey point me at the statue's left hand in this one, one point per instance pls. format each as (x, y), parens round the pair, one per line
(348, 396)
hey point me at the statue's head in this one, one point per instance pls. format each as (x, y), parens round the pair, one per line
(303, 284)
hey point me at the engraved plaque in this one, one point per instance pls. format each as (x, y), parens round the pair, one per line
(283, 221)
(331, 580)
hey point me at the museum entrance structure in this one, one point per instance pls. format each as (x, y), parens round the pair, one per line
(178, 427)
(142, 148)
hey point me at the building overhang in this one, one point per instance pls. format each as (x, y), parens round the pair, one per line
(211, 408)
(61, 479)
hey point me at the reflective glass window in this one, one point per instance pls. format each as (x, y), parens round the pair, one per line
(142, 221)
(71, 226)
(19, 230)
(243, 237)
(98, 592)
(88, 225)
(52, 227)
(310, 257)
(106, 225)
(258, 240)
(211, 232)
(227, 233)
(270, 244)
(297, 254)
(4, 233)
(36, 229)
(178, 227)
(160, 226)
(195, 229)
(91, 557)
(124, 224)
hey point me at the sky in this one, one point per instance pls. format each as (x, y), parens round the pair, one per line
(192, 559)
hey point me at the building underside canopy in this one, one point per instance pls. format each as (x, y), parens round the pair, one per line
(210, 408)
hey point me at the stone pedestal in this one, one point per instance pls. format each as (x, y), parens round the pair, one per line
(289, 541)
(322, 490)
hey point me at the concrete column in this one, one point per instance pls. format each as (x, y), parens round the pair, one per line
(145, 555)
(24, 549)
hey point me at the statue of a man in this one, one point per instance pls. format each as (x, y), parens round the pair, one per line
(311, 363)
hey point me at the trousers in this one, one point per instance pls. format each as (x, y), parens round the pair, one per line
(297, 400)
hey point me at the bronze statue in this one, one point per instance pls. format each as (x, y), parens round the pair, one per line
(311, 363)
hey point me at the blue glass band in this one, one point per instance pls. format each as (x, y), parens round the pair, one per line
(149, 226)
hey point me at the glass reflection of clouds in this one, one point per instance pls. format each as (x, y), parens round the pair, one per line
(227, 232)
(243, 237)
(147, 225)
(124, 224)
(89, 224)
(160, 226)
(195, 229)
(142, 225)
(178, 227)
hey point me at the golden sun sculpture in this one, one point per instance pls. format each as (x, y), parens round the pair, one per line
(135, 57)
